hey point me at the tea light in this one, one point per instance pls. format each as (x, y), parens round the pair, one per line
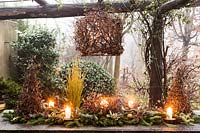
(130, 104)
(67, 112)
(104, 103)
(169, 113)
(169, 118)
(51, 104)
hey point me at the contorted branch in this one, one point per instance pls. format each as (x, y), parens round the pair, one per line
(99, 33)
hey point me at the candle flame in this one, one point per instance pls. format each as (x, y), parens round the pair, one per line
(104, 103)
(67, 112)
(169, 112)
(51, 104)
(130, 104)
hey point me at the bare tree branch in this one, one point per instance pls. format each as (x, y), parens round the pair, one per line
(173, 4)
(179, 36)
(147, 22)
(194, 44)
(41, 2)
(180, 27)
(129, 26)
(191, 37)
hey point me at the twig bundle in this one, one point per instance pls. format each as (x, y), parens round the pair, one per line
(99, 34)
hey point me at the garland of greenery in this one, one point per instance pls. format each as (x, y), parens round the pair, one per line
(147, 118)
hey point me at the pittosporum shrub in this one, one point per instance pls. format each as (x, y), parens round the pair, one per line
(38, 43)
(96, 80)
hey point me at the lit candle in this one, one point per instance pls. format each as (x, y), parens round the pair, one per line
(169, 113)
(67, 112)
(51, 104)
(130, 104)
(104, 103)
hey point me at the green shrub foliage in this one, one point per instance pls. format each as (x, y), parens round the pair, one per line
(9, 91)
(97, 79)
(38, 43)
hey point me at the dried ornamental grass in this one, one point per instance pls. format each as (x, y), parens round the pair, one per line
(96, 79)
(75, 85)
(98, 34)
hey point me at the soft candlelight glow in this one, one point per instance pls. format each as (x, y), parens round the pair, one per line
(104, 103)
(130, 104)
(169, 113)
(51, 104)
(67, 112)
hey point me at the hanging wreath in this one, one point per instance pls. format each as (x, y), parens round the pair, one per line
(98, 34)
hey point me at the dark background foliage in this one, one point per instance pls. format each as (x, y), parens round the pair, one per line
(9, 91)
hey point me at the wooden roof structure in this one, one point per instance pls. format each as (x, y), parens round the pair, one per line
(45, 10)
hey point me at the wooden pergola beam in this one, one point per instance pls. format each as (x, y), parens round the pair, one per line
(67, 10)
(46, 10)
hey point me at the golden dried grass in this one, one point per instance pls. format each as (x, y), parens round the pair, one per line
(75, 84)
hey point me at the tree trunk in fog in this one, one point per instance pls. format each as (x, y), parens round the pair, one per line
(117, 69)
(107, 62)
(156, 64)
(110, 67)
(185, 51)
(186, 32)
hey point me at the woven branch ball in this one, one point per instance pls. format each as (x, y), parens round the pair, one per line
(99, 34)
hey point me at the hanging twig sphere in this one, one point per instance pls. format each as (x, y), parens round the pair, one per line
(98, 34)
